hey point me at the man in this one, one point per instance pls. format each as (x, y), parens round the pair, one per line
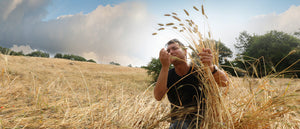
(182, 85)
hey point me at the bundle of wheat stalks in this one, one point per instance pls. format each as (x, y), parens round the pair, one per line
(259, 108)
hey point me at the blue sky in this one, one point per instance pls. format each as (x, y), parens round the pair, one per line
(242, 8)
(120, 30)
(247, 7)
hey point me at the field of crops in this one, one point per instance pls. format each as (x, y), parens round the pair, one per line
(58, 93)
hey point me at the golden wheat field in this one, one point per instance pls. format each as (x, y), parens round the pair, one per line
(58, 93)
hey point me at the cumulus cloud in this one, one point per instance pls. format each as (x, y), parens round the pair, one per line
(26, 49)
(287, 21)
(121, 33)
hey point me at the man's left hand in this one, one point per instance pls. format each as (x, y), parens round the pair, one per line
(206, 57)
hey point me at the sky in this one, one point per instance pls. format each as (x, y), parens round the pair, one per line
(121, 30)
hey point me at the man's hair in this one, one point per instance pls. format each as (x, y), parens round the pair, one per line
(175, 41)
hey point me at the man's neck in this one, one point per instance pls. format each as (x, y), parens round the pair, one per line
(182, 69)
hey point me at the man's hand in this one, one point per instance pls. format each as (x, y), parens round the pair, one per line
(164, 58)
(206, 57)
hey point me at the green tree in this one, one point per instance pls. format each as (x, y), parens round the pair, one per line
(4, 50)
(38, 54)
(73, 57)
(17, 53)
(224, 52)
(260, 54)
(91, 60)
(153, 68)
(58, 55)
(114, 63)
(243, 42)
(297, 33)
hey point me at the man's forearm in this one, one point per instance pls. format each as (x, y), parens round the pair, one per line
(221, 78)
(160, 88)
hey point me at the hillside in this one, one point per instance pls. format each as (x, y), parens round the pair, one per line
(45, 92)
(58, 93)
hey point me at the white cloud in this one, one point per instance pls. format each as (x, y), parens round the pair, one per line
(26, 49)
(91, 55)
(287, 21)
(122, 31)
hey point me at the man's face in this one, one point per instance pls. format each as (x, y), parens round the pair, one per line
(177, 51)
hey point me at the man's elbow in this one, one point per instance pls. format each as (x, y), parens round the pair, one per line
(158, 98)
(225, 83)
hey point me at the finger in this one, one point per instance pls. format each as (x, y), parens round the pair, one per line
(208, 50)
(163, 51)
(206, 58)
(164, 54)
(204, 54)
(206, 61)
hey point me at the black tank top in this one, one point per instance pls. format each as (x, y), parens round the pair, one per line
(186, 93)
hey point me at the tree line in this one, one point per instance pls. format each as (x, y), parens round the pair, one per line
(272, 54)
(8, 51)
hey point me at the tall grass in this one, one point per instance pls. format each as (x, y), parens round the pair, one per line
(57, 93)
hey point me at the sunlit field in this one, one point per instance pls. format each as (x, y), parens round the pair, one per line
(58, 93)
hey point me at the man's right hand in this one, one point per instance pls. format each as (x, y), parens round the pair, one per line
(164, 58)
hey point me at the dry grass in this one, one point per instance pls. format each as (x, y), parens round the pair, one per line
(57, 93)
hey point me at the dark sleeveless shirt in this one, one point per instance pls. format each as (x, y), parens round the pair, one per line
(186, 93)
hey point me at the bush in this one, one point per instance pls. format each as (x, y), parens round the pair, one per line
(91, 60)
(38, 54)
(73, 57)
(58, 55)
(114, 63)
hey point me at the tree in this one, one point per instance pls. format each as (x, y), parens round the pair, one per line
(297, 33)
(262, 53)
(153, 68)
(38, 54)
(223, 52)
(114, 63)
(4, 50)
(17, 53)
(58, 55)
(243, 42)
(73, 57)
(91, 60)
